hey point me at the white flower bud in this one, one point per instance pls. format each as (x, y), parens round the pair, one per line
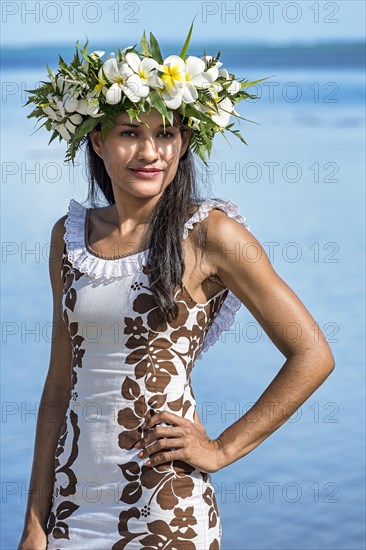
(63, 132)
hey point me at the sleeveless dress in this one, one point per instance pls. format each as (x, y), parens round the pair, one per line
(127, 364)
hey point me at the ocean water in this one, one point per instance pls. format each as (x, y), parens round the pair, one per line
(300, 184)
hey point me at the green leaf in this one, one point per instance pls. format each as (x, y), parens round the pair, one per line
(51, 74)
(62, 63)
(86, 126)
(159, 104)
(107, 123)
(247, 84)
(145, 49)
(238, 135)
(55, 134)
(183, 53)
(132, 112)
(191, 111)
(155, 49)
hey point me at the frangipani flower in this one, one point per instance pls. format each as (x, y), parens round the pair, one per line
(173, 77)
(145, 68)
(89, 106)
(124, 81)
(195, 78)
(69, 127)
(223, 116)
(55, 110)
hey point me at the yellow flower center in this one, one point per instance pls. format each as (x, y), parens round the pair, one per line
(171, 75)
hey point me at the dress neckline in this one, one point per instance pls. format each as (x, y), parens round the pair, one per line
(94, 252)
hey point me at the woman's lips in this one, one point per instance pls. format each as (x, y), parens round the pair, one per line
(146, 173)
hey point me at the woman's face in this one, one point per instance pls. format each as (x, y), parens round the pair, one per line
(130, 146)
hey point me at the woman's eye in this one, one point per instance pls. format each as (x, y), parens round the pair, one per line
(127, 132)
(163, 134)
(167, 134)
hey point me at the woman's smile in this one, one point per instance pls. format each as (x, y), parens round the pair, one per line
(148, 173)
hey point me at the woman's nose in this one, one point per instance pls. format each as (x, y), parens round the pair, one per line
(148, 149)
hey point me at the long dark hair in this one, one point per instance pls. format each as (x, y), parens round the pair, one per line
(164, 234)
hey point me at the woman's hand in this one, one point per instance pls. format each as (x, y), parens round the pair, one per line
(190, 440)
(33, 538)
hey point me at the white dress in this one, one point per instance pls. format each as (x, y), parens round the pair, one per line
(128, 364)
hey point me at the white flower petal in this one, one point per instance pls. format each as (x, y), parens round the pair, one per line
(190, 93)
(175, 61)
(110, 69)
(93, 107)
(155, 82)
(137, 85)
(225, 108)
(172, 102)
(212, 74)
(199, 81)
(70, 103)
(114, 94)
(194, 66)
(221, 119)
(99, 53)
(129, 92)
(63, 131)
(134, 61)
(60, 106)
(224, 73)
(76, 119)
(148, 64)
(124, 70)
(126, 50)
(82, 107)
(51, 113)
(234, 87)
(70, 127)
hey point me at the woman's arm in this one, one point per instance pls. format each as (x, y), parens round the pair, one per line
(241, 263)
(237, 258)
(53, 405)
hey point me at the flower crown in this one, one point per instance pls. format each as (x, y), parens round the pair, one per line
(90, 91)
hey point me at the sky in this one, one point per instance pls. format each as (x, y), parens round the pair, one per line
(276, 21)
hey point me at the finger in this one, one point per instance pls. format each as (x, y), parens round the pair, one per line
(160, 458)
(164, 443)
(165, 416)
(159, 431)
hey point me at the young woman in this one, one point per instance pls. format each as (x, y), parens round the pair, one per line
(142, 288)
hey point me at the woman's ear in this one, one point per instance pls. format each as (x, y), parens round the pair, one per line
(96, 140)
(186, 137)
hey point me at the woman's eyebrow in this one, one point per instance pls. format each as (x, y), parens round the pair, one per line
(131, 125)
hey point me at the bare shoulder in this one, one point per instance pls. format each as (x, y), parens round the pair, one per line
(58, 229)
(57, 242)
(220, 228)
(227, 241)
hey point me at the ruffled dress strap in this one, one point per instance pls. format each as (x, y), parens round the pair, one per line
(84, 260)
(231, 305)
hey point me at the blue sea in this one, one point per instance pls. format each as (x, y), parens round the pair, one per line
(300, 182)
